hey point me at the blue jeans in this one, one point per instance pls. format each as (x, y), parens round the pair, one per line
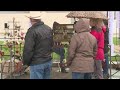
(105, 69)
(60, 51)
(41, 71)
(77, 75)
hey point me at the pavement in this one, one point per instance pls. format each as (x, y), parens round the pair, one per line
(55, 74)
(58, 75)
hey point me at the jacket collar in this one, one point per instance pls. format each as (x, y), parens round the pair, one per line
(97, 29)
(38, 23)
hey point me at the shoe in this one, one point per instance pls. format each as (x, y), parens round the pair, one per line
(106, 76)
(63, 70)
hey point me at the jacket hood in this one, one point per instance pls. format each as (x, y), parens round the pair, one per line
(82, 25)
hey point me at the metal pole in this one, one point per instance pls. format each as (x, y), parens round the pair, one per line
(14, 56)
(1, 63)
(110, 54)
(107, 13)
(14, 44)
(11, 52)
(119, 28)
(20, 50)
(110, 63)
(10, 62)
(20, 56)
(116, 35)
(119, 38)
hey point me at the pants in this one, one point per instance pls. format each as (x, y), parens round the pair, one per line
(41, 71)
(98, 69)
(60, 51)
(77, 75)
(106, 67)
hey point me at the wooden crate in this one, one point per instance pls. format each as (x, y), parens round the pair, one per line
(62, 32)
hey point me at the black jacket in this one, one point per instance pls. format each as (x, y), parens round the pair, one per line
(106, 41)
(38, 44)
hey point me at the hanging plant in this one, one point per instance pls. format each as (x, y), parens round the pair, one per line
(22, 38)
(8, 34)
(1, 53)
(9, 44)
(22, 34)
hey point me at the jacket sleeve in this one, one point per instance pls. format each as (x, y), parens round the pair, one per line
(28, 47)
(107, 36)
(52, 44)
(72, 49)
(95, 49)
(101, 40)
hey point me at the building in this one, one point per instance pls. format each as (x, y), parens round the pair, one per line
(47, 16)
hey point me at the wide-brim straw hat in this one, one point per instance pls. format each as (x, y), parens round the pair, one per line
(87, 14)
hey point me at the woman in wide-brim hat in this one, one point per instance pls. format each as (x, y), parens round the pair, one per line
(97, 30)
(96, 22)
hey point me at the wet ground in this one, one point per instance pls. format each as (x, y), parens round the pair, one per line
(58, 75)
(54, 75)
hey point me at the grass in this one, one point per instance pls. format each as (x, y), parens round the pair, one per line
(114, 59)
(6, 51)
(116, 41)
(55, 56)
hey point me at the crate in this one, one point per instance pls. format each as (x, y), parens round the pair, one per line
(62, 32)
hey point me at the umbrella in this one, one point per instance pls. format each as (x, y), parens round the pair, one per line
(87, 14)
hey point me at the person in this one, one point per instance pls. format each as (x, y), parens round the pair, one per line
(37, 49)
(96, 31)
(81, 51)
(58, 48)
(106, 49)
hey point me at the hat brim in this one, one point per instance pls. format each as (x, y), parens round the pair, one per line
(30, 17)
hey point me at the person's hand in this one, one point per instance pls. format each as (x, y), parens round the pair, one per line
(68, 63)
(103, 60)
(25, 67)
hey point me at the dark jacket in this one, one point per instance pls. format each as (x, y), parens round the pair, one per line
(38, 44)
(106, 41)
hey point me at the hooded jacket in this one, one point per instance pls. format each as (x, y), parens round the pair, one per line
(82, 49)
